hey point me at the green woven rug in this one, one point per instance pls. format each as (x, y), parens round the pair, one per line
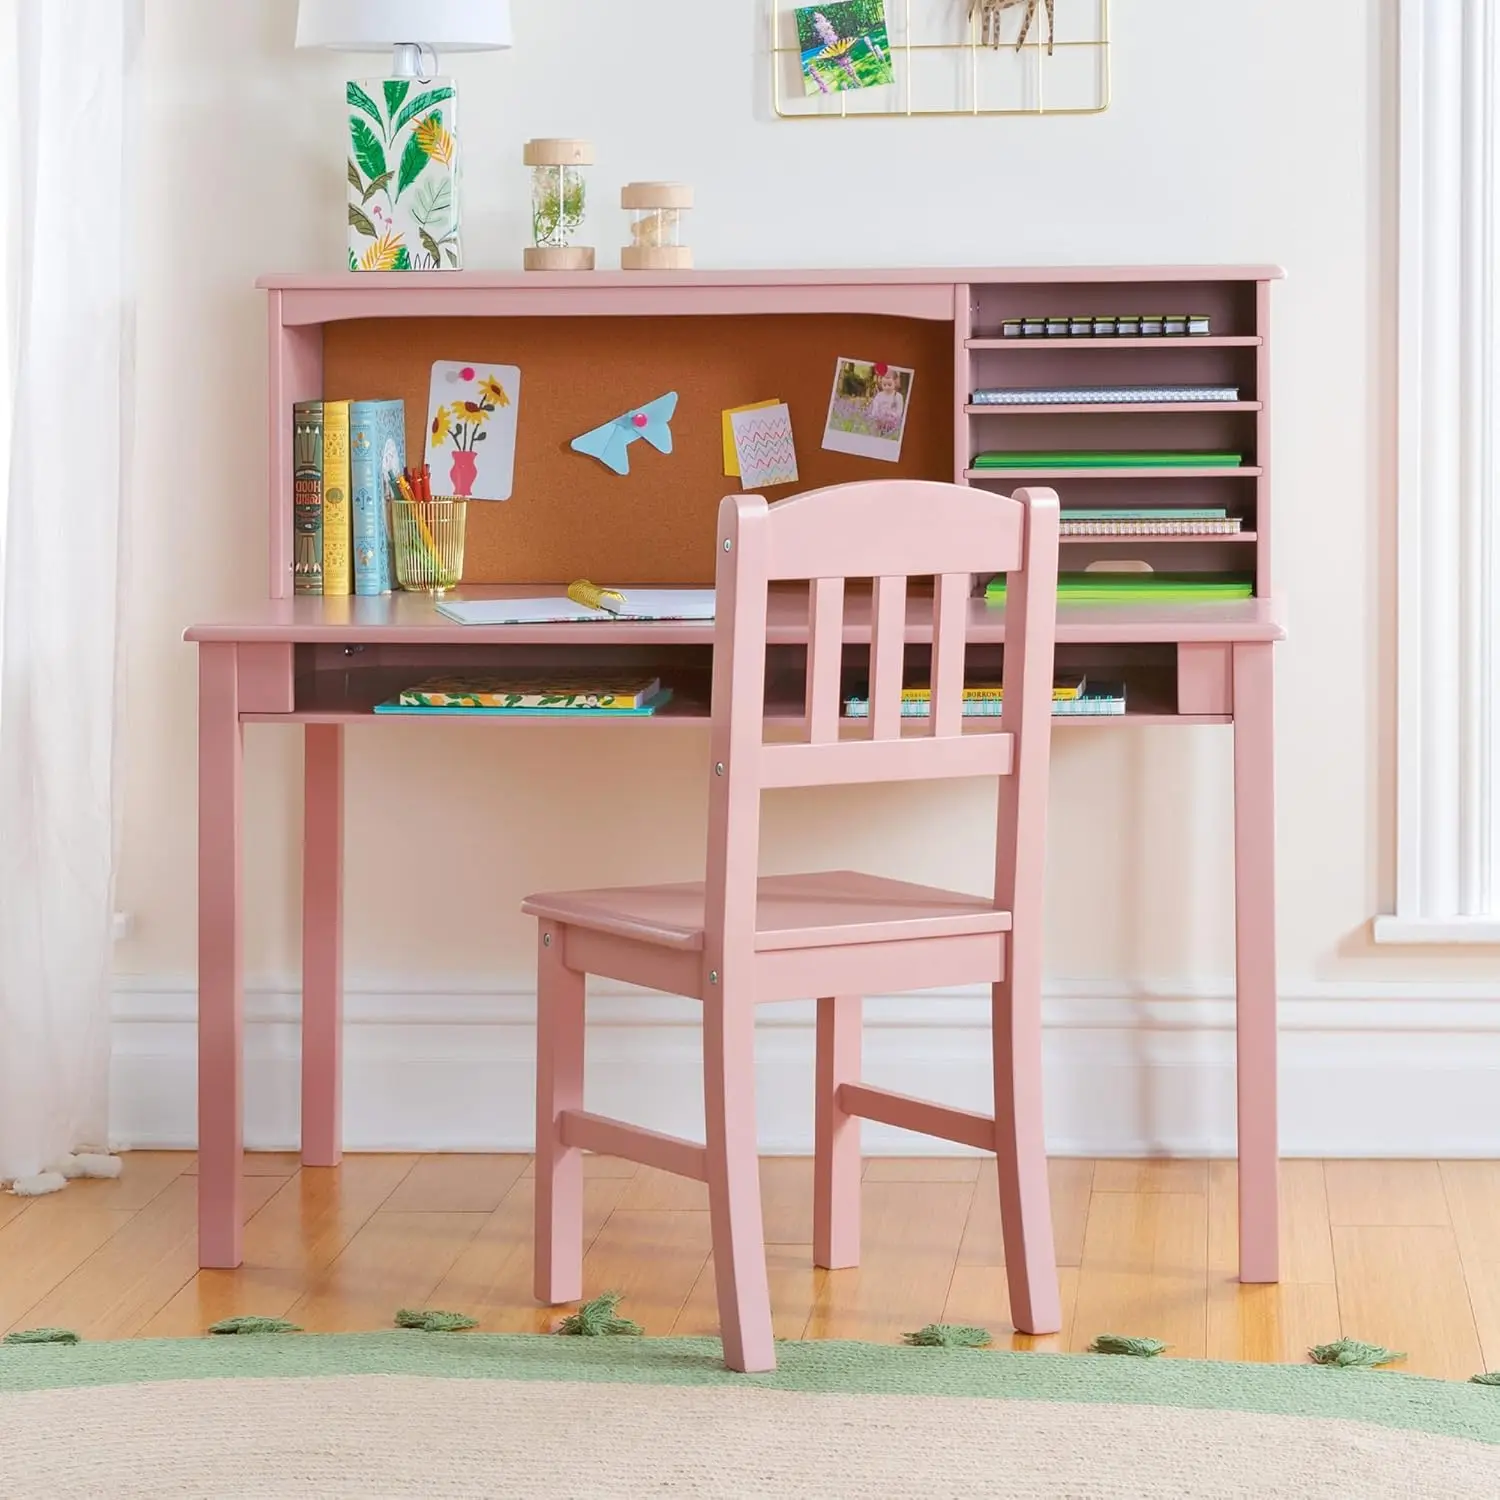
(438, 1415)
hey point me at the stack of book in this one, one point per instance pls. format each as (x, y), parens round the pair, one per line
(1127, 458)
(1092, 395)
(1148, 520)
(345, 456)
(1072, 693)
(557, 695)
(1139, 588)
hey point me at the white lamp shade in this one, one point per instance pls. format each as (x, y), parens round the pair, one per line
(378, 25)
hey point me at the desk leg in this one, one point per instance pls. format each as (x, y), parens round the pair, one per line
(1255, 960)
(221, 979)
(322, 944)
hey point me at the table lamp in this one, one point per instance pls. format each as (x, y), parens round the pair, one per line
(403, 129)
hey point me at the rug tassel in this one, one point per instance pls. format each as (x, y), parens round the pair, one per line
(1490, 1377)
(949, 1336)
(42, 1336)
(433, 1320)
(254, 1325)
(597, 1318)
(1353, 1354)
(1121, 1343)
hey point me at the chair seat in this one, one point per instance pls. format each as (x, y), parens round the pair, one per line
(822, 910)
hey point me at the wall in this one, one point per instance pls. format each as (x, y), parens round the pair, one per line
(1239, 133)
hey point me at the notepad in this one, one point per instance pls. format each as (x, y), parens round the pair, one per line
(558, 609)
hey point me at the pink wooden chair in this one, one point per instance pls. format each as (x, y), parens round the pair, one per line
(738, 939)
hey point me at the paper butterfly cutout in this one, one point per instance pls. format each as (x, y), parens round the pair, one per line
(609, 443)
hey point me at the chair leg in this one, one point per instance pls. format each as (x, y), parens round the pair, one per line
(559, 1085)
(836, 1160)
(734, 1183)
(1021, 1152)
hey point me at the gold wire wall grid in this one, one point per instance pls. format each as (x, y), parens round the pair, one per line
(938, 75)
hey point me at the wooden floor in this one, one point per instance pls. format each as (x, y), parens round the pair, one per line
(1402, 1253)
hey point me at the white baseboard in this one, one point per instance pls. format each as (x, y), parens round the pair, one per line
(1366, 1070)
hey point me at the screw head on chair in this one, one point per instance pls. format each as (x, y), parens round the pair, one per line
(713, 976)
(546, 940)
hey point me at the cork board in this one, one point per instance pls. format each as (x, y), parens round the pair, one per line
(569, 516)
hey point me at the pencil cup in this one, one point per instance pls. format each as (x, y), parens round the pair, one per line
(428, 538)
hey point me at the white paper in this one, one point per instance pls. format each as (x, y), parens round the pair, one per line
(764, 445)
(558, 609)
(471, 429)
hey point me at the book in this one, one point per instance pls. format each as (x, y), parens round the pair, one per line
(1139, 588)
(1091, 459)
(307, 497)
(1097, 698)
(377, 453)
(554, 691)
(1064, 685)
(1147, 513)
(559, 609)
(1229, 527)
(645, 711)
(1102, 395)
(338, 571)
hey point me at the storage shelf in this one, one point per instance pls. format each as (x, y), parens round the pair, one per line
(1033, 408)
(1205, 471)
(1228, 341)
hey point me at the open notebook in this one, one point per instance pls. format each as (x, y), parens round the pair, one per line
(559, 609)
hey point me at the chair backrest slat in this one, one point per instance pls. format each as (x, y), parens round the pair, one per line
(887, 655)
(888, 531)
(825, 657)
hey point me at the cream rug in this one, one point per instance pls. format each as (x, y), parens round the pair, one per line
(440, 1415)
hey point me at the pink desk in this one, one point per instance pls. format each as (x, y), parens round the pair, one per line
(322, 663)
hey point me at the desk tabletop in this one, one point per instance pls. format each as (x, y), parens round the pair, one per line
(411, 619)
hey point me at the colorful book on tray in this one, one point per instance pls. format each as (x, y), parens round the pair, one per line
(1139, 588)
(556, 690)
(1088, 395)
(578, 708)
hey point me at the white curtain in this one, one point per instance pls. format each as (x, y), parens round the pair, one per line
(65, 421)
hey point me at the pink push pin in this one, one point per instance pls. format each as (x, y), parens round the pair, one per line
(639, 419)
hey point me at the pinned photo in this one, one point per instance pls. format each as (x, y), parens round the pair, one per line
(844, 45)
(868, 408)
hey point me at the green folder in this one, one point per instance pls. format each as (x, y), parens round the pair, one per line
(1139, 588)
(1129, 459)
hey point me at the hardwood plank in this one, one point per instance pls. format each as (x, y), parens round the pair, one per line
(1151, 1175)
(980, 1296)
(262, 1163)
(1144, 1269)
(300, 1231)
(46, 1244)
(795, 1283)
(457, 1184)
(786, 1199)
(144, 1174)
(1385, 1192)
(1403, 1286)
(1472, 1189)
(653, 1257)
(1306, 1243)
(491, 1279)
(396, 1260)
(924, 1168)
(1071, 1181)
(654, 1191)
(142, 1266)
(595, 1165)
(12, 1207)
(911, 1234)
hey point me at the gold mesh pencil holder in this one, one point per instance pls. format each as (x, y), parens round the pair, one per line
(428, 538)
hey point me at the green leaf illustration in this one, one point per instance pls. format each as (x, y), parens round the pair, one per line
(452, 255)
(413, 160)
(358, 99)
(413, 107)
(434, 202)
(431, 246)
(395, 92)
(355, 180)
(403, 260)
(361, 222)
(368, 151)
(376, 184)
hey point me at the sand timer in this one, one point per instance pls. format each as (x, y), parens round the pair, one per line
(558, 199)
(656, 226)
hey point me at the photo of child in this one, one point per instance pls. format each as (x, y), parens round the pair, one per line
(867, 411)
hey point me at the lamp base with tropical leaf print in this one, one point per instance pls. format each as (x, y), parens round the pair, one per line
(403, 175)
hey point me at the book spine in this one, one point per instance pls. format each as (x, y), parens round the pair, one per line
(367, 521)
(338, 576)
(307, 497)
(1149, 528)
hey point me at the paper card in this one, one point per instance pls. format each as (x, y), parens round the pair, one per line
(764, 446)
(867, 410)
(844, 45)
(731, 455)
(471, 429)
